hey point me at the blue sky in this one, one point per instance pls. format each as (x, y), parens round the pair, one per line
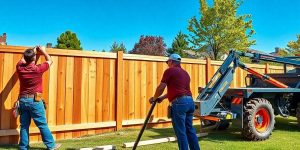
(98, 23)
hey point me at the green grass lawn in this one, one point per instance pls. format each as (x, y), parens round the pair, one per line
(286, 136)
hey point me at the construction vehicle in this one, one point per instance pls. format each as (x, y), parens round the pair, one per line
(251, 108)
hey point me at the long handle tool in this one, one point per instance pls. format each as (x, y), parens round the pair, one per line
(144, 126)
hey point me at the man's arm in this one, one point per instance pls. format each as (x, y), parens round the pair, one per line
(42, 49)
(159, 90)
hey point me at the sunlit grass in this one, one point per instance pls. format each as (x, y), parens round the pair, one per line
(286, 136)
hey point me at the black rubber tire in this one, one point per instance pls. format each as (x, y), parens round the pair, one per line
(298, 114)
(250, 109)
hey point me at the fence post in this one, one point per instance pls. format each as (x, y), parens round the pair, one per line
(119, 103)
(267, 67)
(208, 69)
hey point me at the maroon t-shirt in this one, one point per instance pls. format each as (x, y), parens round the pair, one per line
(178, 82)
(30, 77)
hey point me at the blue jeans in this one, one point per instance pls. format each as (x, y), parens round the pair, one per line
(182, 119)
(35, 110)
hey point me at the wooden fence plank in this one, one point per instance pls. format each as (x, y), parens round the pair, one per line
(69, 94)
(91, 93)
(53, 92)
(131, 89)
(61, 94)
(143, 89)
(15, 122)
(112, 91)
(126, 91)
(77, 94)
(99, 92)
(84, 93)
(119, 88)
(46, 89)
(6, 94)
(137, 90)
(106, 94)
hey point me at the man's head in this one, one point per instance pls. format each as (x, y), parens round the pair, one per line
(174, 60)
(29, 55)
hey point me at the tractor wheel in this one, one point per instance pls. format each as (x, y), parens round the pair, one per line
(259, 119)
(298, 114)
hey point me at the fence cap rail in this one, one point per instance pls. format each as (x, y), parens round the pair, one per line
(160, 58)
(60, 52)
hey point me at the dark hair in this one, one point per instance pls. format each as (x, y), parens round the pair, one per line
(176, 62)
(29, 55)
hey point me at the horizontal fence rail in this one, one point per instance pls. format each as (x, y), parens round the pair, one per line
(89, 93)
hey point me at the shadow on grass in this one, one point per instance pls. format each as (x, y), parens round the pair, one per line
(17, 147)
(232, 134)
(286, 124)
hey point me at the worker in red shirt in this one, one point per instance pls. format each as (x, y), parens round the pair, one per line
(30, 101)
(179, 94)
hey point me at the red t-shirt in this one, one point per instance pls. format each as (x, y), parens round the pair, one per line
(30, 77)
(178, 82)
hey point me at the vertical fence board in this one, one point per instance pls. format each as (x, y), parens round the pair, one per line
(84, 93)
(15, 122)
(112, 90)
(53, 92)
(137, 90)
(131, 89)
(91, 93)
(143, 89)
(126, 91)
(99, 92)
(61, 95)
(106, 94)
(69, 94)
(77, 93)
(6, 94)
(46, 90)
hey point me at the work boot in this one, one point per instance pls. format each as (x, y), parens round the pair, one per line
(57, 146)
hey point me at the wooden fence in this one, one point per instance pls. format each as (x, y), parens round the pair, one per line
(95, 92)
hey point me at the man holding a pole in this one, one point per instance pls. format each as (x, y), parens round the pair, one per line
(179, 94)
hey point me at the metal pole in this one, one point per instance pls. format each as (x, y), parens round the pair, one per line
(144, 126)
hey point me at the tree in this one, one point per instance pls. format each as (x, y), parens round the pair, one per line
(150, 45)
(219, 29)
(68, 40)
(294, 46)
(179, 44)
(117, 47)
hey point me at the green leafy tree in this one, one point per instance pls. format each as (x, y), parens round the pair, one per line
(68, 40)
(294, 46)
(117, 47)
(220, 29)
(180, 43)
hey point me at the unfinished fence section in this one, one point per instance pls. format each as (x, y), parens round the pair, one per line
(95, 92)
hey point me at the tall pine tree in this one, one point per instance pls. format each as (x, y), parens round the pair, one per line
(68, 40)
(117, 47)
(179, 44)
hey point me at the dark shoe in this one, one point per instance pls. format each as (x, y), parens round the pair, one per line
(57, 146)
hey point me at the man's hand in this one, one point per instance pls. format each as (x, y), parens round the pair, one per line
(35, 49)
(151, 100)
(42, 49)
